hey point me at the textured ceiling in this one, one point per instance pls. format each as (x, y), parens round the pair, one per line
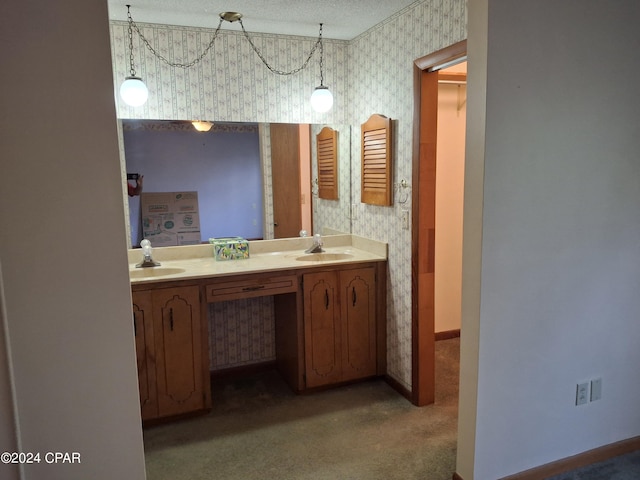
(342, 20)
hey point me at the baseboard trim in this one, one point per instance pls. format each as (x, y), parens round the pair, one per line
(242, 370)
(154, 422)
(577, 461)
(397, 386)
(446, 335)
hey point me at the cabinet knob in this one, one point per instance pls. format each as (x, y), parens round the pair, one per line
(353, 295)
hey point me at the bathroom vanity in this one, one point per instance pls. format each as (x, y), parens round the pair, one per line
(329, 308)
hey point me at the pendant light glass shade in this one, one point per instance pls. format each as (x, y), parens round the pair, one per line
(134, 92)
(321, 99)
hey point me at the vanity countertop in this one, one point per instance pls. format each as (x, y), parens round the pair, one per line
(197, 261)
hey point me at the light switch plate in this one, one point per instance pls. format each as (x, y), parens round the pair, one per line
(596, 389)
(405, 219)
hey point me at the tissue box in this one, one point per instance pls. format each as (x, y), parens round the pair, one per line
(230, 248)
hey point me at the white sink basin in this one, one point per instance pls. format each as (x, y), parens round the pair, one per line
(324, 257)
(152, 272)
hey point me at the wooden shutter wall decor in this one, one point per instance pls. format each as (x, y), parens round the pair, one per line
(376, 160)
(327, 150)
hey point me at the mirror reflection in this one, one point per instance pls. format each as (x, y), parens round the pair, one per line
(242, 174)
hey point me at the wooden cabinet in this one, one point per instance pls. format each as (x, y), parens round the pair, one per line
(329, 328)
(322, 332)
(172, 353)
(339, 326)
(358, 312)
(145, 354)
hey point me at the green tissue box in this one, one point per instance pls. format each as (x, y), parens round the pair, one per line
(230, 248)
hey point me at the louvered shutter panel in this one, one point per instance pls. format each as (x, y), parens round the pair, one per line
(327, 149)
(376, 160)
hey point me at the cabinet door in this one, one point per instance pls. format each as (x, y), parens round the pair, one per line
(177, 331)
(358, 323)
(145, 354)
(321, 329)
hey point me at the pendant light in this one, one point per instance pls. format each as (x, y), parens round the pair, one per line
(133, 91)
(321, 98)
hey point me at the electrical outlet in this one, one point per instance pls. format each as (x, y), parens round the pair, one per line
(596, 389)
(582, 393)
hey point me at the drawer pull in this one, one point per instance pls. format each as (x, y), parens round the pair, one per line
(253, 289)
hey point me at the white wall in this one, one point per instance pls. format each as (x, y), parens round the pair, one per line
(8, 433)
(62, 244)
(557, 300)
(452, 112)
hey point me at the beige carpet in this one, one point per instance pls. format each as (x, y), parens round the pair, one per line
(259, 429)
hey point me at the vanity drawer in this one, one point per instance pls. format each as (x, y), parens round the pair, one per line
(251, 287)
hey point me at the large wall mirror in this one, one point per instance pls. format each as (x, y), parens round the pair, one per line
(245, 187)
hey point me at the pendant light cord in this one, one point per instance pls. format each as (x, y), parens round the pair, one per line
(295, 70)
(321, 57)
(132, 68)
(196, 60)
(134, 26)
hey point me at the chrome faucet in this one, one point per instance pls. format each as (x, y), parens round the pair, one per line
(147, 261)
(317, 245)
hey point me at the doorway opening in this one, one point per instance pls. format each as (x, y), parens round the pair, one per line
(291, 177)
(423, 252)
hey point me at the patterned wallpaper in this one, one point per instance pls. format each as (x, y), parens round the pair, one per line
(265, 155)
(381, 81)
(371, 74)
(242, 332)
(184, 126)
(333, 214)
(231, 83)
